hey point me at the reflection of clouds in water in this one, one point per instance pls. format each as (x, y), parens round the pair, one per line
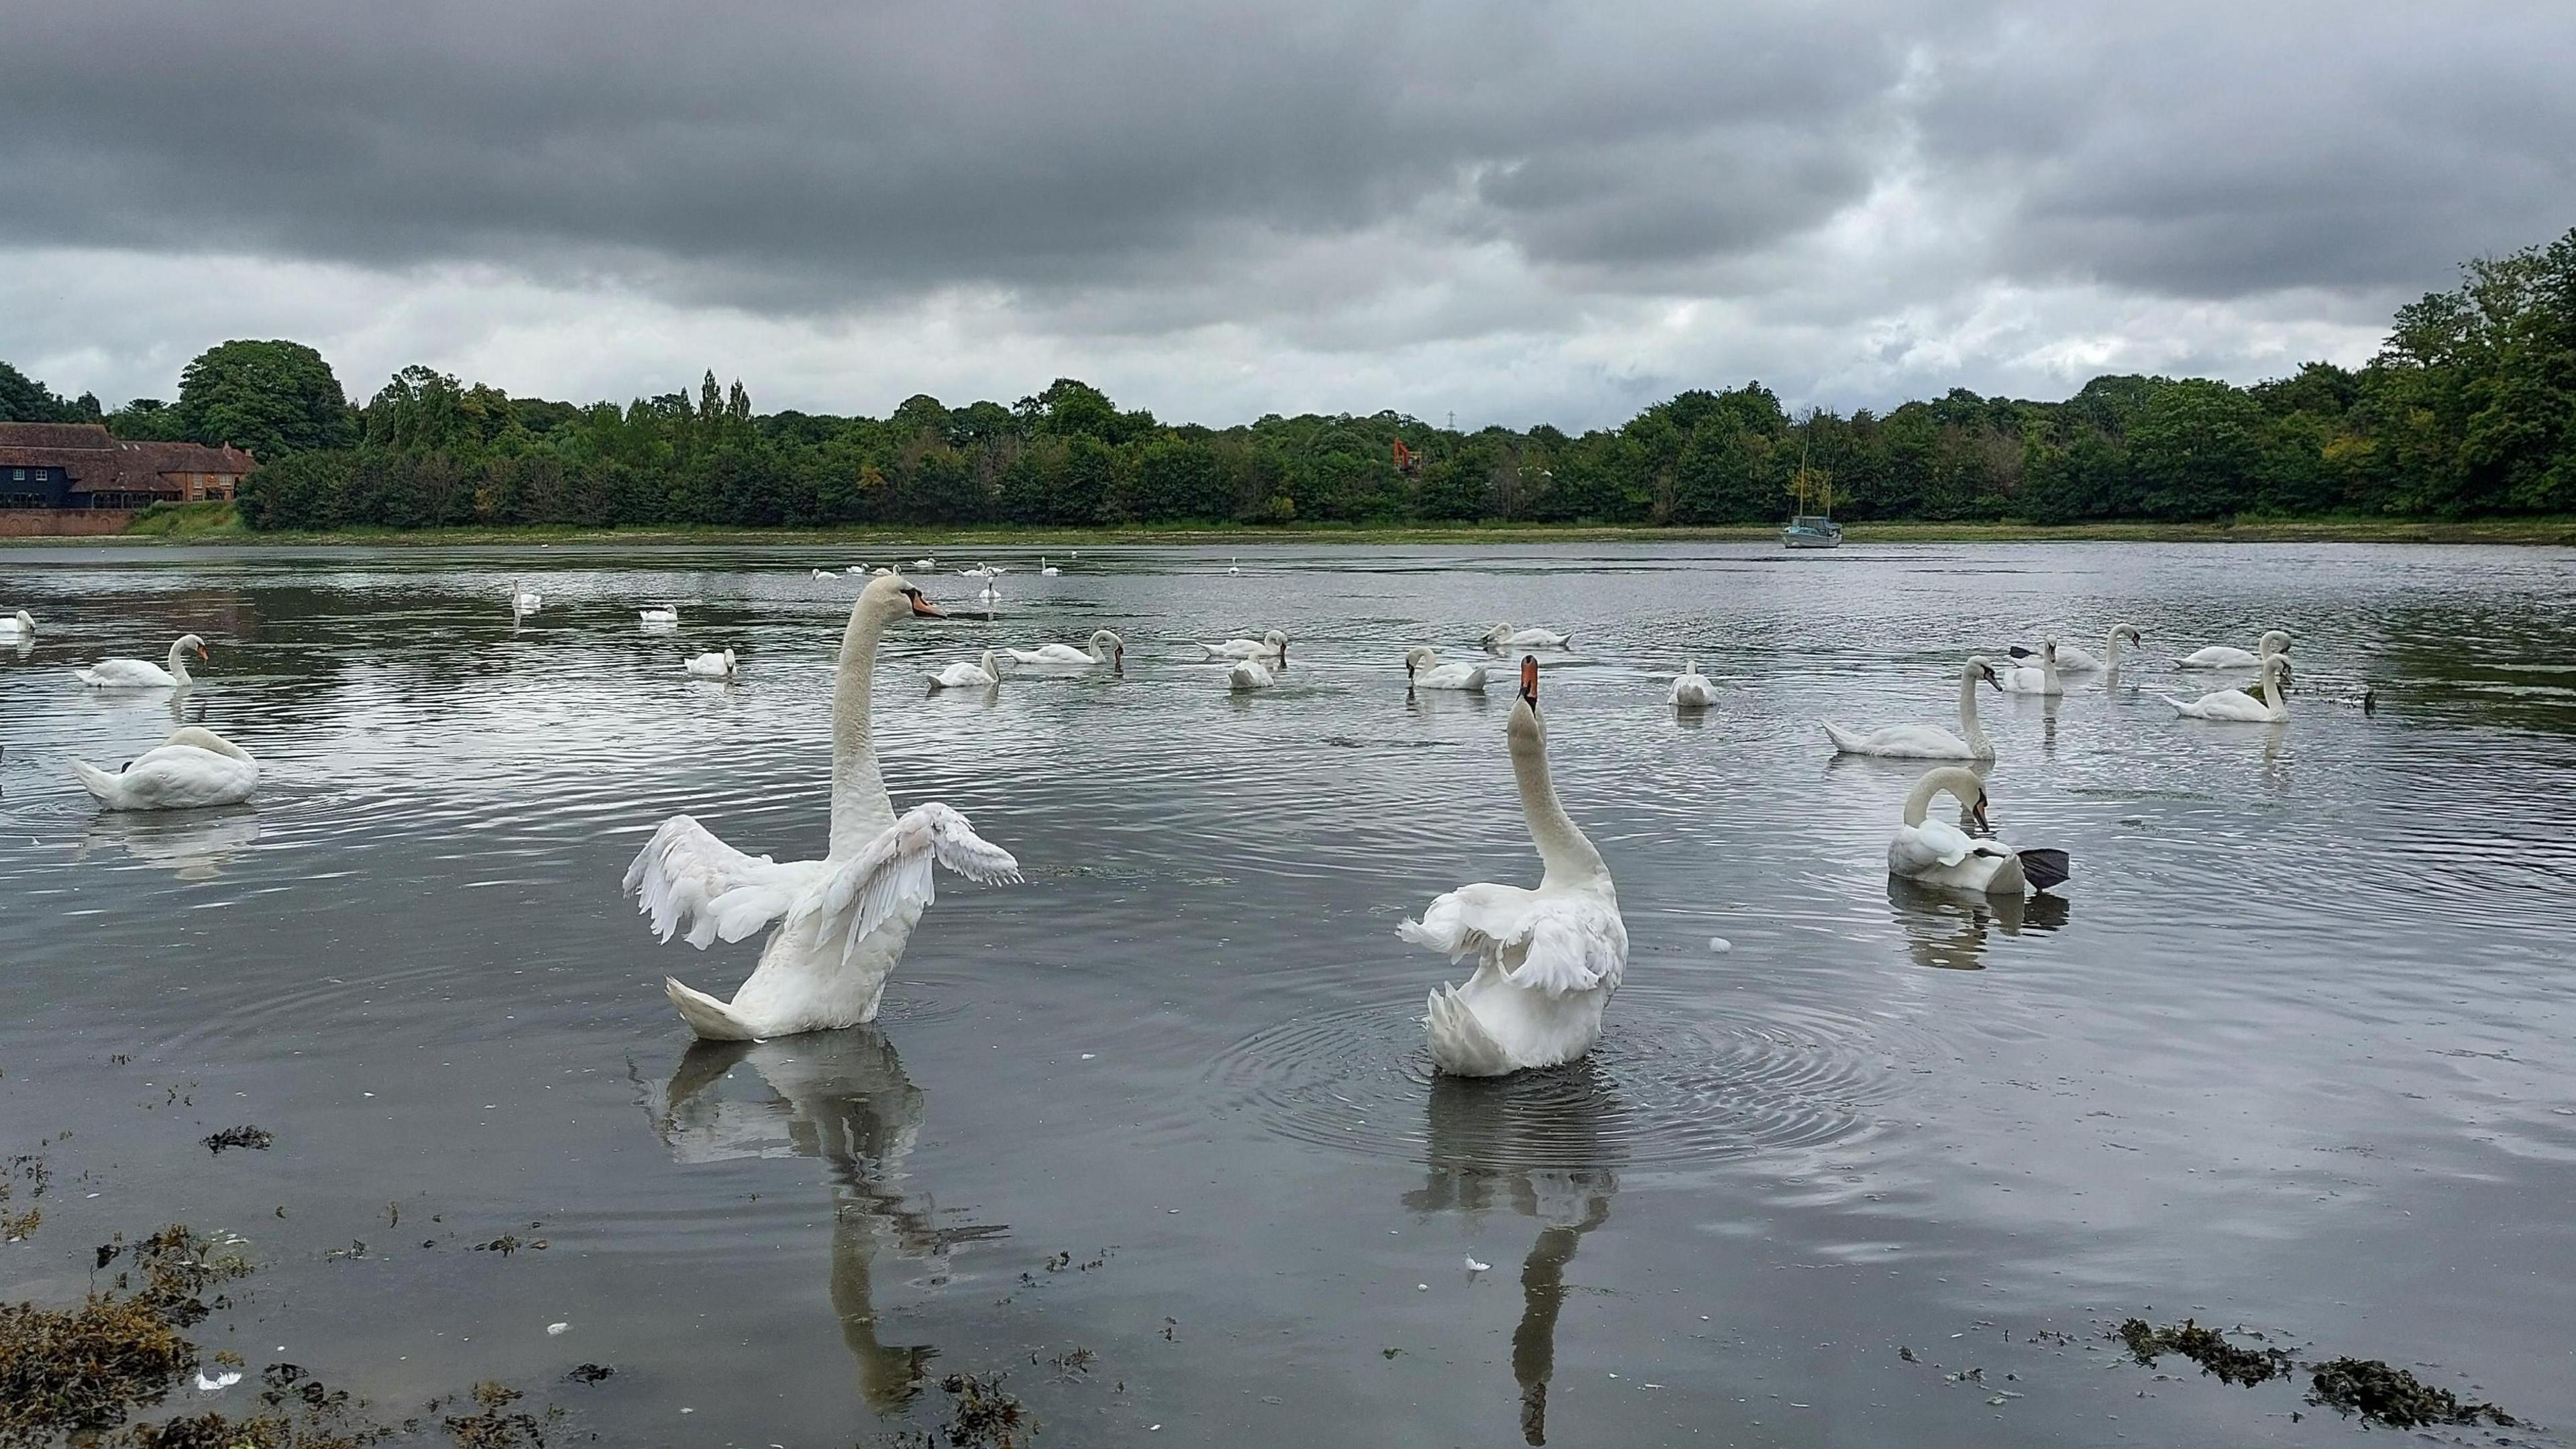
(1948, 930)
(1476, 1127)
(840, 1097)
(192, 844)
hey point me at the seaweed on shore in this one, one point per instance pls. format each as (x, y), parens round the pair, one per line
(2207, 1347)
(86, 1368)
(2380, 1394)
(254, 1137)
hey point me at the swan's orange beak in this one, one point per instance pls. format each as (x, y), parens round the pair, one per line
(1529, 679)
(924, 609)
(202, 654)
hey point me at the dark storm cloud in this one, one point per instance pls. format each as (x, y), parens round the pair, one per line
(803, 155)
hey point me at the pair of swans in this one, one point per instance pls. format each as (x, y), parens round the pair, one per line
(1423, 670)
(837, 926)
(2235, 706)
(143, 673)
(2076, 659)
(2222, 656)
(18, 629)
(1928, 742)
(194, 769)
(1271, 645)
(1547, 959)
(710, 665)
(1504, 636)
(1941, 854)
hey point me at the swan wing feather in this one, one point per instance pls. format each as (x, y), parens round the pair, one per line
(685, 873)
(1567, 943)
(892, 874)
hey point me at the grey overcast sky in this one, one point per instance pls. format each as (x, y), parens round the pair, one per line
(1519, 211)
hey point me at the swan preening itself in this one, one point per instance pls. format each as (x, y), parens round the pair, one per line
(2222, 656)
(710, 666)
(840, 923)
(2236, 706)
(1423, 670)
(2076, 659)
(192, 770)
(2039, 679)
(1928, 742)
(1504, 636)
(981, 674)
(1941, 854)
(1249, 674)
(1691, 689)
(1547, 959)
(143, 673)
(1103, 647)
(1270, 645)
(21, 625)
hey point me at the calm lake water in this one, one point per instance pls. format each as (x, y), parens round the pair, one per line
(2294, 1052)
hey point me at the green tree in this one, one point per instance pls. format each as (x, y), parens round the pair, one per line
(274, 398)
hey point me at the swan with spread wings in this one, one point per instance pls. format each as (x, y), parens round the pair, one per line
(837, 925)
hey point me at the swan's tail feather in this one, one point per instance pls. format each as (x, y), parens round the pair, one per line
(711, 1019)
(2045, 868)
(2181, 706)
(99, 782)
(1847, 741)
(1460, 1045)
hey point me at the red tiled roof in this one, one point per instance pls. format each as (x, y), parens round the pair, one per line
(100, 462)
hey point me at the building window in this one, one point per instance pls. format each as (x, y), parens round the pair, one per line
(18, 476)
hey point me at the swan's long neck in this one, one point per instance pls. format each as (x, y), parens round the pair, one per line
(1968, 726)
(1570, 857)
(861, 810)
(2111, 654)
(179, 662)
(1918, 801)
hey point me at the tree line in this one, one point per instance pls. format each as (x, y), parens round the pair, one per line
(2469, 409)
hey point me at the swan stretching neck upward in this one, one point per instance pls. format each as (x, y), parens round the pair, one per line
(23, 626)
(1504, 636)
(982, 674)
(143, 673)
(1928, 742)
(193, 769)
(1267, 646)
(1941, 854)
(710, 666)
(1691, 689)
(1547, 959)
(2039, 679)
(1104, 647)
(841, 922)
(1423, 670)
(2238, 707)
(2223, 656)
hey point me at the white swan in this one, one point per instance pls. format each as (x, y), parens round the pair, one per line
(925, 564)
(1267, 646)
(193, 769)
(852, 569)
(2237, 706)
(1104, 648)
(710, 666)
(1691, 689)
(981, 674)
(15, 629)
(1250, 674)
(1938, 853)
(2039, 679)
(1230, 566)
(1928, 742)
(524, 602)
(842, 921)
(1504, 636)
(2076, 659)
(143, 673)
(1548, 958)
(2222, 656)
(1045, 569)
(1423, 670)
(662, 614)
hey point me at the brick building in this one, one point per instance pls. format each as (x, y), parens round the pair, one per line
(61, 469)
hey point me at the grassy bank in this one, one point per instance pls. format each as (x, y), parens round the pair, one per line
(219, 523)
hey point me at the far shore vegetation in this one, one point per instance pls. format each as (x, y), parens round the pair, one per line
(2463, 427)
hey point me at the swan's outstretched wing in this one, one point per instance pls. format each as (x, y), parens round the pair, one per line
(1565, 942)
(685, 873)
(858, 893)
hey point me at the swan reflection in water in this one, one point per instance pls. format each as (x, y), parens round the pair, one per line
(1948, 930)
(191, 844)
(1532, 1142)
(841, 1097)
